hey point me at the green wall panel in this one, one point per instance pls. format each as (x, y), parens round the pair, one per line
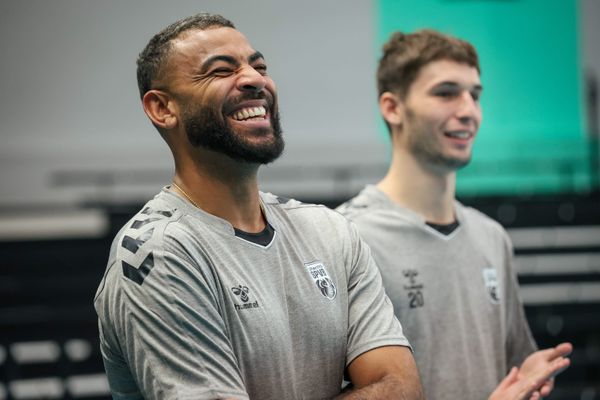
(532, 139)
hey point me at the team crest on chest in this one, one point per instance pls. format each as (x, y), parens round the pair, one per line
(324, 283)
(490, 277)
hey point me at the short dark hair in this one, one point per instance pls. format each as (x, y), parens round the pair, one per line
(153, 58)
(405, 54)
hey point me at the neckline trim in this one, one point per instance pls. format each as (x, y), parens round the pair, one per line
(445, 229)
(263, 238)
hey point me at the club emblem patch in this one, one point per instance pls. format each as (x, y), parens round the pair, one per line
(324, 283)
(490, 277)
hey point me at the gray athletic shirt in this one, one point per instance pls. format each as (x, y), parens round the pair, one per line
(456, 296)
(189, 310)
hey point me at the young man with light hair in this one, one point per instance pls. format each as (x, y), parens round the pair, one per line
(447, 268)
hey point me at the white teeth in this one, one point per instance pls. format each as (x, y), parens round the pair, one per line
(250, 112)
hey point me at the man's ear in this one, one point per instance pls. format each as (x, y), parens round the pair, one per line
(160, 108)
(391, 108)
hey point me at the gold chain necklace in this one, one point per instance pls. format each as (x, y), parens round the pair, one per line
(187, 196)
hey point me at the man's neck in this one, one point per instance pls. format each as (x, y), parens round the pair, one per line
(426, 192)
(223, 188)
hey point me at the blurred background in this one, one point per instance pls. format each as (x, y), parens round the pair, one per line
(78, 156)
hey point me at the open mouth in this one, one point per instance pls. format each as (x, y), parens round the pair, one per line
(250, 114)
(463, 135)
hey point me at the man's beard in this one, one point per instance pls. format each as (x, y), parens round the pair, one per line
(207, 127)
(425, 146)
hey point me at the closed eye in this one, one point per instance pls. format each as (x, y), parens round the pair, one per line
(221, 72)
(261, 68)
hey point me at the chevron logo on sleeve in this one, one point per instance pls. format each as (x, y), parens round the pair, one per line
(139, 274)
(134, 243)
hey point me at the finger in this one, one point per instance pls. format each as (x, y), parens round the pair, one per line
(564, 349)
(561, 350)
(546, 388)
(558, 366)
(528, 390)
(545, 379)
(535, 396)
(509, 379)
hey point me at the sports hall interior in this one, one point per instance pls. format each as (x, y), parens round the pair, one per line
(78, 157)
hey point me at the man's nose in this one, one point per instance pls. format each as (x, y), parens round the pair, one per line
(250, 80)
(469, 109)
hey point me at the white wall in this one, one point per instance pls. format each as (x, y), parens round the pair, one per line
(69, 100)
(69, 97)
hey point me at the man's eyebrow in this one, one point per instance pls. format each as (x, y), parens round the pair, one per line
(211, 60)
(476, 87)
(256, 56)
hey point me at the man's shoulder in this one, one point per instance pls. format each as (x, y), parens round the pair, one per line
(148, 224)
(296, 208)
(483, 225)
(142, 234)
(286, 203)
(366, 203)
(296, 217)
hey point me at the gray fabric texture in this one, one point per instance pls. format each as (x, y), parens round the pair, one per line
(456, 296)
(188, 310)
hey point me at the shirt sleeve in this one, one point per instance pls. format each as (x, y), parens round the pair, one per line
(162, 334)
(520, 341)
(371, 319)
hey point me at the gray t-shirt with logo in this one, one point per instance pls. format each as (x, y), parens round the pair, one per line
(456, 295)
(190, 308)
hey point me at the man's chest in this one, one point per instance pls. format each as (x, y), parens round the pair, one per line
(281, 298)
